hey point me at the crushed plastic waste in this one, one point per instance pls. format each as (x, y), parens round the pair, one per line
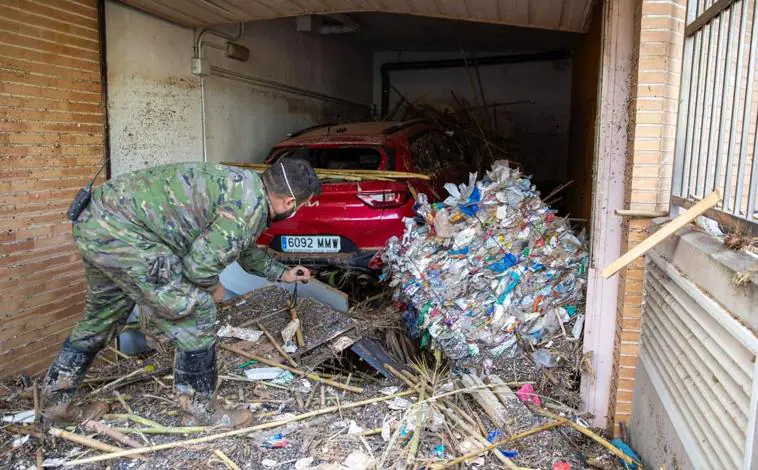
(277, 441)
(624, 447)
(527, 395)
(490, 267)
(561, 465)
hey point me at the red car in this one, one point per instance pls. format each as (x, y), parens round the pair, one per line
(352, 220)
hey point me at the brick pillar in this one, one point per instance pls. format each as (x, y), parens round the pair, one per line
(653, 116)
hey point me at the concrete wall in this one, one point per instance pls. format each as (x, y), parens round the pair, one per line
(540, 128)
(244, 121)
(154, 100)
(652, 432)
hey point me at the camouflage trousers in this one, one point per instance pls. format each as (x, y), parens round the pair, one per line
(124, 266)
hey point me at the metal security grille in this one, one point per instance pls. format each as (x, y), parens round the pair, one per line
(715, 140)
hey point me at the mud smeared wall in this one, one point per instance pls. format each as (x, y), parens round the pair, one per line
(155, 101)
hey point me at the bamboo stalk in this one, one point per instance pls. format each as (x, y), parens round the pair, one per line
(600, 440)
(477, 436)
(226, 460)
(132, 417)
(311, 375)
(363, 174)
(236, 432)
(123, 402)
(497, 444)
(413, 447)
(37, 407)
(276, 345)
(117, 381)
(85, 441)
(114, 434)
(167, 430)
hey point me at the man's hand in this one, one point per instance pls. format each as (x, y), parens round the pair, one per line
(298, 273)
(218, 292)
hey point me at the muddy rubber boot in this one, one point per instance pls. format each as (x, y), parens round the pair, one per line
(60, 385)
(195, 378)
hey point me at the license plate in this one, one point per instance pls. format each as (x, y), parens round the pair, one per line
(311, 244)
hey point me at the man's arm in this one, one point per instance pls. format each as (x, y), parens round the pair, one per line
(258, 261)
(217, 247)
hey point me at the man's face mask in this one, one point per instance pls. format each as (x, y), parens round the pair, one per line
(291, 212)
(284, 215)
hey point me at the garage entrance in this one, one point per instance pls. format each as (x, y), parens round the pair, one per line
(526, 81)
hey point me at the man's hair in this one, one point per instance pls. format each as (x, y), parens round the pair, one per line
(298, 173)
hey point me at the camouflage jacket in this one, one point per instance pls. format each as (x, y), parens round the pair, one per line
(210, 215)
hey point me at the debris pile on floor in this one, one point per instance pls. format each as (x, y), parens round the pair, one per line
(493, 275)
(336, 415)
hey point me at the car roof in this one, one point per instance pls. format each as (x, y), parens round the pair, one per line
(373, 132)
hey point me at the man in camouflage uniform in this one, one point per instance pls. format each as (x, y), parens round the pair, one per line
(159, 238)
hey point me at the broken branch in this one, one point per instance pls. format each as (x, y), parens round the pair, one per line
(226, 460)
(118, 436)
(276, 345)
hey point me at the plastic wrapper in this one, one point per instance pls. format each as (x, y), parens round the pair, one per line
(488, 269)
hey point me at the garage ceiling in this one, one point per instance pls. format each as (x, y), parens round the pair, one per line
(562, 15)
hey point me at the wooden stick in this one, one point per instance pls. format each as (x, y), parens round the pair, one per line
(497, 444)
(477, 436)
(311, 375)
(37, 408)
(123, 402)
(227, 461)
(487, 400)
(32, 431)
(600, 440)
(276, 345)
(118, 353)
(640, 214)
(132, 417)
(366, 174)
(236, 432)
(299, 338)
(117, 381)
(420, 425)
(101, 428)
(168, 430)
(323, 396)
(85, 441)
(40, 458)
(664, 232)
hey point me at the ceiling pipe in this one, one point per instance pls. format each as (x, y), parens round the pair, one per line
(389, 67)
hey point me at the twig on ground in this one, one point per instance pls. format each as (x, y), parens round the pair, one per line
(106, 430)
(276, 345)
(84, 440)
(226, 460)
(123, 402)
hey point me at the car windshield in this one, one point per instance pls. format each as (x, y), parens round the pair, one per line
(339, 158)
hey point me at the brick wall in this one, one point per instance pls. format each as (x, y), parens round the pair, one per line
(51, 143)
(653, 115)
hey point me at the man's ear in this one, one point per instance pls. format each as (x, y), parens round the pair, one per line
(289, 202)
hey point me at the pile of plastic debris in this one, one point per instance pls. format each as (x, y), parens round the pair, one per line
(489, 271)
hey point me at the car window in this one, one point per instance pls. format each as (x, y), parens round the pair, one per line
(341, 158)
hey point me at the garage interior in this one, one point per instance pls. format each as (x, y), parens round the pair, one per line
(222, 82)
(539, 83)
